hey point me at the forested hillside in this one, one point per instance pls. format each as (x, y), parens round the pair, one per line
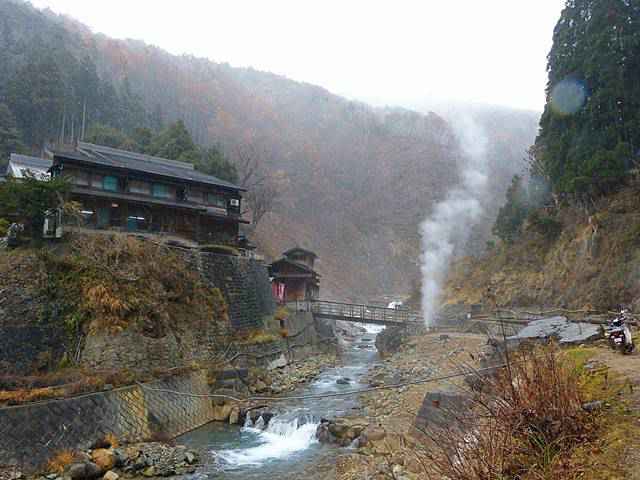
(570, 231)
(342, 178)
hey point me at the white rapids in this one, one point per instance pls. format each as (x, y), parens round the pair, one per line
(281, 438)
(373, 329)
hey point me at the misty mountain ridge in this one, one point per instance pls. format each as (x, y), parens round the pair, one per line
(359, 179)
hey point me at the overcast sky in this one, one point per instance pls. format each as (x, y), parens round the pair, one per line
(384, 52)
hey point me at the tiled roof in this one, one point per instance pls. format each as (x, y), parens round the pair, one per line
(301, 250)
(299, 265)
(123, 159)
(19, 164)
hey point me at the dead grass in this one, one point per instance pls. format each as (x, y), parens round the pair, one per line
(111, 282)
(525, 423)
(256, 336)
(282, 313)
(578, 269)
(17, 390)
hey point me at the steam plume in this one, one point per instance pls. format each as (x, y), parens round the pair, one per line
(452, 219)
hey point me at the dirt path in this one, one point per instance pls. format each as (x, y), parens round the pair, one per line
(628, 367)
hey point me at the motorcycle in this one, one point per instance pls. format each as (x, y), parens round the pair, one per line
(619, 333)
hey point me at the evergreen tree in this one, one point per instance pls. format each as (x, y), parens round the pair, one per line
(512, 215)
(589, 133)
(213, 162)
(35, 94)
(30, 197)
(175, 142)
(10, 141)
(101, 134)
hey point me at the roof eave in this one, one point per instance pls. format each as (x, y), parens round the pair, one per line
(84, 161)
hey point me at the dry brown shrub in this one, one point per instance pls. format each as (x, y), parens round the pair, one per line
(523, 423)
(112, 440)
(61, 460)
(107, 283)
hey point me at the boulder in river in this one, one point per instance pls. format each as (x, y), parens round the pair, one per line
(83, 471)
(221, 413)
(342, 431)
(343, 381)
(234, 415)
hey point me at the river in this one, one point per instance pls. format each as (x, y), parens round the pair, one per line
(287, 448)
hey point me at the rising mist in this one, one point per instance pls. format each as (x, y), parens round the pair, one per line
(453, 218)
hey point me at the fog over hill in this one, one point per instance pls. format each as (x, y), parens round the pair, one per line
(357, 179)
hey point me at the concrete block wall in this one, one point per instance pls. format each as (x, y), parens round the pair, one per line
(31, 434)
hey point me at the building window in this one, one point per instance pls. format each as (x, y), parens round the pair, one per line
(97, 181)
(194, 195)
(81, 178)
(136, 186)
(216, 200)
(138, 219)
(160, 190)
(110, 183)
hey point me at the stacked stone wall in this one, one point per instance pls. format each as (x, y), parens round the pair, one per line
(245, 285)
(306, 337)
(31, 434)
(25, 348)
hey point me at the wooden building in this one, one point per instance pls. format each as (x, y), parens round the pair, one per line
(20, 166)
(294, 277)
(127, 191)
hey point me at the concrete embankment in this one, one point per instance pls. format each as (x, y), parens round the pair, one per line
(31, 434)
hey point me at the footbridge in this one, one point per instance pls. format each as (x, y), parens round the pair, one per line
(359, 313)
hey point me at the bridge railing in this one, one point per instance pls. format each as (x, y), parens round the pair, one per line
(362, 313)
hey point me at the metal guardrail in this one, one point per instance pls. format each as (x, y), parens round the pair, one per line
(359, 313)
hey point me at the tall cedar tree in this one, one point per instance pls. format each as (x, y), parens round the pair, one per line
(512, 215)
(596, 49)
(10, 138)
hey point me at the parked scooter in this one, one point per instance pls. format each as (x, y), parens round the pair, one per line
(619, 334)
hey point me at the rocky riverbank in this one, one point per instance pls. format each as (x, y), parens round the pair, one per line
(383, 432)
(274, 382)
(140, 460)
(289, 377)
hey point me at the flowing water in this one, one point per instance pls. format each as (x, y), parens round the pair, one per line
(287, 447)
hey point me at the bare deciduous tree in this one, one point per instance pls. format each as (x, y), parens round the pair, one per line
(263, 185)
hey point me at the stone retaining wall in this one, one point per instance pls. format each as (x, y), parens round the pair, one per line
(28, 347)
(244, 283)
(31, 434)
(307, 335)
(28, 344)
